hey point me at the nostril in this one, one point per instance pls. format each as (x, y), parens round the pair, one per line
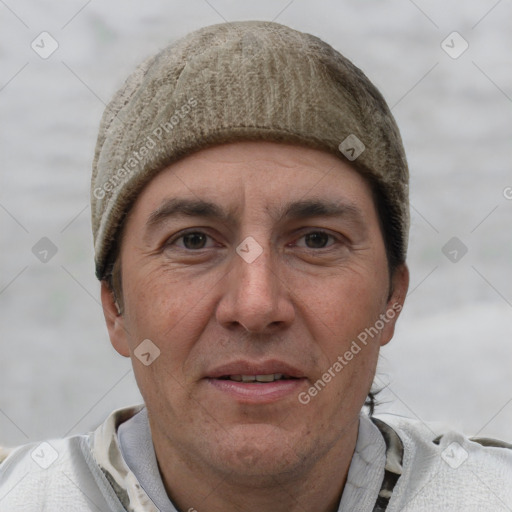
(245, 327)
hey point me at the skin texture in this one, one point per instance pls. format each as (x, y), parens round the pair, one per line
(303, 300)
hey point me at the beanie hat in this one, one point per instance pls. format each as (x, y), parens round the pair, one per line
(248, 80)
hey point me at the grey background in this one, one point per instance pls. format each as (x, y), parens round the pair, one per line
(451, 358)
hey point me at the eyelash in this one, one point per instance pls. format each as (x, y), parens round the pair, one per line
(178, 236)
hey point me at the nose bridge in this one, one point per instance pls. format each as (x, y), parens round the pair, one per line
(254, 294)
(254, 267)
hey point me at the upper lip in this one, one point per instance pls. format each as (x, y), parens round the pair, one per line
(244, 367)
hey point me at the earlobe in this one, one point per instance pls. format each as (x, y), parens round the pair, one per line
(400, 285)
(115, 321)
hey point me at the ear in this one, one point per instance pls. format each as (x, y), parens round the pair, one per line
(399, 287)
(115, 321)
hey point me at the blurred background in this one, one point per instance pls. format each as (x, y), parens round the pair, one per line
(445, 68)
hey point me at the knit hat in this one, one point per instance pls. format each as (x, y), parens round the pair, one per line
(248, 80)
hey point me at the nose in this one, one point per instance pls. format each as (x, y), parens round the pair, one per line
(254, 294)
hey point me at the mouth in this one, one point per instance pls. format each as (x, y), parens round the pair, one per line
(257, 383)
(271, 377)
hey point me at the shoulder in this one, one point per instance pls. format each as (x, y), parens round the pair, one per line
(446, 470)
(57, 475)
(39, 475)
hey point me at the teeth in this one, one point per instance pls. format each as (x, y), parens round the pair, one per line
(257, 378)
(265, 378)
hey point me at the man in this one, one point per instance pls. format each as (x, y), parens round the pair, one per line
(250, 214)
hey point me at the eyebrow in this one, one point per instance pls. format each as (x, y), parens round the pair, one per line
(296, 210)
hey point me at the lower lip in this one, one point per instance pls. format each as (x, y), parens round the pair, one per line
(250, 392)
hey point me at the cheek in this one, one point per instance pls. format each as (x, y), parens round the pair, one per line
(340, 316)
(346, 303)
(155, 298)
(170, 310)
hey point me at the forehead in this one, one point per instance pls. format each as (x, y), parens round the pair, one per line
(278, 180)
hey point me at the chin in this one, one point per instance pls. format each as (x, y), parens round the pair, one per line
(260, 451)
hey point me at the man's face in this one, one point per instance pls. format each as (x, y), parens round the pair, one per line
(247, 259)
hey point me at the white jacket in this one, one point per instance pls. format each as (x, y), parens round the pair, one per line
(399, 465)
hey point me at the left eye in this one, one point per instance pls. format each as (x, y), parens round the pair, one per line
(317, 239)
